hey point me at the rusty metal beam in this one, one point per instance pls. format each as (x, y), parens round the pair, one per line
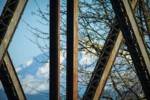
(54, 49)
(72, 49)
(10, 80)
(94, 91)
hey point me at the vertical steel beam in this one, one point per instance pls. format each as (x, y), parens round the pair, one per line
(54, 49)
(72, 49)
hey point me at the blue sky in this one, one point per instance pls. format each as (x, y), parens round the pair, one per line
(21, 49)
(2, 3)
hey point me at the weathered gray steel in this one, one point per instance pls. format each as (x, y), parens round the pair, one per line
(8, 25)
(94, 90)
(8, 22)
(137, 33)
(10, 80)
(134, 42)
(54, 49)
(72, 49)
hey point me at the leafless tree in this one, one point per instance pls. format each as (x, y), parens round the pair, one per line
(95, 20)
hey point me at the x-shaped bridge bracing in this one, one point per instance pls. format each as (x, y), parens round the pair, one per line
(9, 19)
(135, 44)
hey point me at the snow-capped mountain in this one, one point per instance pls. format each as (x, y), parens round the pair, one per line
(34, 77)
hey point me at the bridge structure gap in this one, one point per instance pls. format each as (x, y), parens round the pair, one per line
(9, 19)
(125, 27)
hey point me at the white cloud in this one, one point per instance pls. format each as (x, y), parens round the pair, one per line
(43, 71)
(18, 69)
(62, 56)
(28, 63)
(32, 84)
(25, 65)
(38, 82)
(87, 58)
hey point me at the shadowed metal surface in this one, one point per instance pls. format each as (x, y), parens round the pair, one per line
(72, 49)
(9, 19)
(105, 61)
(54, 49)
(10, 80)
(134, 42)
